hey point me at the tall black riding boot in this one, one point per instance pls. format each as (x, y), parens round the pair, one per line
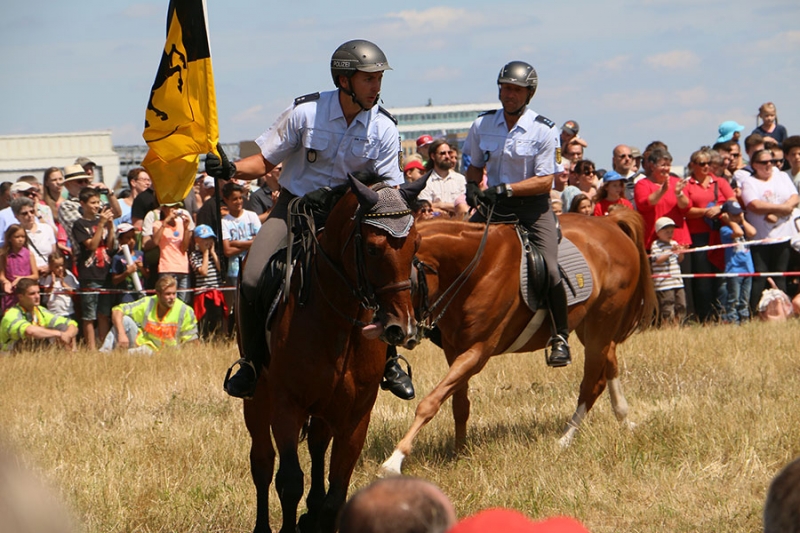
(395, 379)
(251, 337)
(559, 346)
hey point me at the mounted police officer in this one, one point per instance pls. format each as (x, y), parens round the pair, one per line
(520, 151)
(319, 139)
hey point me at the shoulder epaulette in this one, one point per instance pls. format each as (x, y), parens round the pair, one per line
(306, 98)
(544, 120)
(490, 112)
(391, 117)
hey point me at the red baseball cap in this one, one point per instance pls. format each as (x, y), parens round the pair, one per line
(422, 140)
(414, 163)
(510, 521)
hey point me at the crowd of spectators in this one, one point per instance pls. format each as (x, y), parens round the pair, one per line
(91, 249)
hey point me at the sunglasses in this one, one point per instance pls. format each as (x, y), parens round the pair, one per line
(625, 156)
(702, 163)
(777, 162)
(765, 162)
(588, 172)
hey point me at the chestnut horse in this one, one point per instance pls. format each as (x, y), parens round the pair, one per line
(322, 365)
(488, 317)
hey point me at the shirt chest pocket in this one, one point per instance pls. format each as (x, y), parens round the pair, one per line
(315, 141)
(364, 148)
(489, 148)
(524, 148)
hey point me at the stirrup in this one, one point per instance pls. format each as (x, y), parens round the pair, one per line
(240, 362)
(557, 362)
(395, 359)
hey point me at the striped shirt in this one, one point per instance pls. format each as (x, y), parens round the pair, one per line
(212, 280)
(671, 267)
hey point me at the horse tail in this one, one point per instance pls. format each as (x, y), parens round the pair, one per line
(644, 306)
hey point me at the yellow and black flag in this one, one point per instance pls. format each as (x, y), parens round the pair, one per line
(181, 117)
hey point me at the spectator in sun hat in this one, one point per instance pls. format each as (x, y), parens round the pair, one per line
(611, 192)
(729, 131)
(423, 142)
(88, 165)
(210, 307)
(414, 169)
(7, 215)
(122, 271)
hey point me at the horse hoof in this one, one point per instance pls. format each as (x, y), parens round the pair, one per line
(306, 524)
(393, 465)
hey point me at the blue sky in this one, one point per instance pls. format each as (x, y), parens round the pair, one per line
(628, 71)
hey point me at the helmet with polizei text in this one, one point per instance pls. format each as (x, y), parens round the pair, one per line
(357, 55)
(519, 73)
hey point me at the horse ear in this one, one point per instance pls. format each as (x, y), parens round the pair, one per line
(410, 191)
(367, 198)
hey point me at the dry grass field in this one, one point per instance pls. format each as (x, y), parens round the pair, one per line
(137, 443)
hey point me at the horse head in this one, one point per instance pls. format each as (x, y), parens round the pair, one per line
(383, 241)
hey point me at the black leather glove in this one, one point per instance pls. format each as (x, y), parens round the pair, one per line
(491, 195)
(318, 200)
(219, 167)
(474, 194)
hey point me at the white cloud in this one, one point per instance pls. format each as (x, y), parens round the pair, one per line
(675, 59)
(691, 97)
(441, 73)
(783, 43)
(433, 21)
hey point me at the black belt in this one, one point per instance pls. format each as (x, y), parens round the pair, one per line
(524, 201)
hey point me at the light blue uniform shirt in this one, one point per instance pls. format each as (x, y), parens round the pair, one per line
(531, 148)
(318, 149)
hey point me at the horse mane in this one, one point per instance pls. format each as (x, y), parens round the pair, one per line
(368, 177)
(639, 317)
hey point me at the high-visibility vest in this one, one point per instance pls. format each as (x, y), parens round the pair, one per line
(178, 326)
(16, 321)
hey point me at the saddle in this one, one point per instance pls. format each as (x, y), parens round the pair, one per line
(534, 280)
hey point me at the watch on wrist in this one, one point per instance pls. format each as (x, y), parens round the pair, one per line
(504, 190)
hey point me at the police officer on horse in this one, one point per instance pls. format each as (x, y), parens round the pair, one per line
(319, 139)
(520, 151)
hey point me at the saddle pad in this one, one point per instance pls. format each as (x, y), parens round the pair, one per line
(578, 281)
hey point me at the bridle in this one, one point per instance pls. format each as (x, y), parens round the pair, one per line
(362, 289)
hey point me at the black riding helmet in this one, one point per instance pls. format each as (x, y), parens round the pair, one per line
(521, 74)
(353, 56)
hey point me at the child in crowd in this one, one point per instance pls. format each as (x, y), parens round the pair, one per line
(423, 210)
(16, 263)
(94, 235)
(209, 303)
(582, 205)
(122, 272)
(611, 193)
(173, 234)
(558, 207)
(239, 228)
(739, 260)
(58, 284)
(665, 254)
(769, 126)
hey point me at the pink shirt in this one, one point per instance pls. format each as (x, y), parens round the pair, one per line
(172, 259)
(667, 206)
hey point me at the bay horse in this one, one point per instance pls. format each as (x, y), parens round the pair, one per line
(328, 349)
(487, 315)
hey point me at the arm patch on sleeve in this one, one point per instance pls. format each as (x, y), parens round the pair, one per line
(391, 117)
(306, 98)
(544, 120)
(490, 112)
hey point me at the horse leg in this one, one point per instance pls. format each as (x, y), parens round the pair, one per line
(347, 446)
(289, 479)
(461, 407)
(462, 368)
(594, 380)
(319, 438)
(262, 453)
(618, 402)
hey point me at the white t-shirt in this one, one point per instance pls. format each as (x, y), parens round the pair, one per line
(776, 190)
(58, 303)
(241, 228)
(42, 242)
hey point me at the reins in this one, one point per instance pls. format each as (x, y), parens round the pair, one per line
(425, 312)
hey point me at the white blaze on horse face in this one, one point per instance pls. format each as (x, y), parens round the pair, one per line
(572, 426)
(393, 465)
